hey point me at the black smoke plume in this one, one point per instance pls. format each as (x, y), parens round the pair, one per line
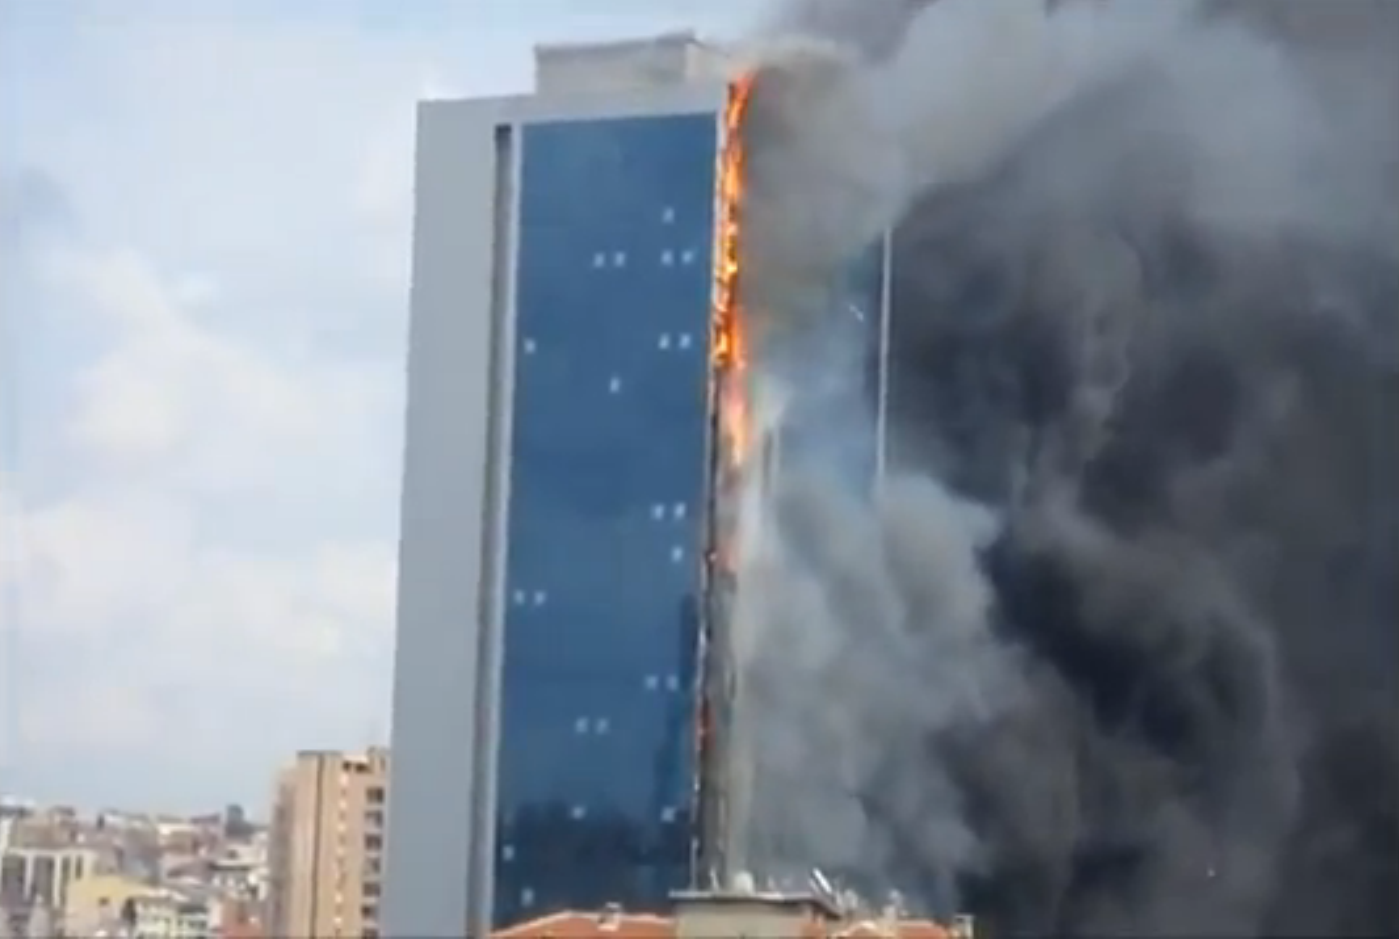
(1154, 333)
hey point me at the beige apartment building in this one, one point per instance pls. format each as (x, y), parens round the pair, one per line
(326, 843)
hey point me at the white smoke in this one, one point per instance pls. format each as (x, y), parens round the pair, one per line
(860, 628)
(842, 144)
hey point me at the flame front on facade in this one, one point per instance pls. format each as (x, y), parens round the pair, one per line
(730, 341)
(730, 443)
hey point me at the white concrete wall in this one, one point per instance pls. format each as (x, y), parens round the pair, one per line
(616, 67)
(440, 547)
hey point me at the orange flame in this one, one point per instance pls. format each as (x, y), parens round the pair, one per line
(730, 344)
(729, 387)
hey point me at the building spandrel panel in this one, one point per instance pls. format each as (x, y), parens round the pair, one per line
(605, 529)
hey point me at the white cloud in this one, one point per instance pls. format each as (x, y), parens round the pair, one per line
(175, 397)
(165, 602)
(202, 544)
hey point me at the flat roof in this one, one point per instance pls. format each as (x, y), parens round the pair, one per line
(674, 38)
(759, 897)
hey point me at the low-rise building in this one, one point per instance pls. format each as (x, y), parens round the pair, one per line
(12, 812)
(44, 876)
(114, 906)
(744, 912)
(237, 871)
(168, 914)
(95, 905)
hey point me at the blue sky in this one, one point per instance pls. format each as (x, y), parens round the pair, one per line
(204, 229)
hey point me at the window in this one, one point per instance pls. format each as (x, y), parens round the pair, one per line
(373, 842)
(371, 891)
(376, 795)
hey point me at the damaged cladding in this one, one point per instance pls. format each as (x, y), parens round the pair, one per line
(1142, 457)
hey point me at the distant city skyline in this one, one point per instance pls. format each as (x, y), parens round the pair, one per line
(204, 300)
(76, 874)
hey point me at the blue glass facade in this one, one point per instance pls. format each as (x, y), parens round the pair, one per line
(606, 512)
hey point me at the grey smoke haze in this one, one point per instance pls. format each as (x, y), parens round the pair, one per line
(908, 564)
(1116, 650)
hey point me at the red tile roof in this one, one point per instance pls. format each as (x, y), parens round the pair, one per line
(575, 925)
(579, 925)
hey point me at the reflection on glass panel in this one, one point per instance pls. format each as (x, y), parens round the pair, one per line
(605, 539)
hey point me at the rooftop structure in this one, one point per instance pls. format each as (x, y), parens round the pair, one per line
(668, 60)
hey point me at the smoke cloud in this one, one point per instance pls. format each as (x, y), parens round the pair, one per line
(1114, 646)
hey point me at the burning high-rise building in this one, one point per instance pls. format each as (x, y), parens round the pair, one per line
(579, 413)
(1110, 648)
